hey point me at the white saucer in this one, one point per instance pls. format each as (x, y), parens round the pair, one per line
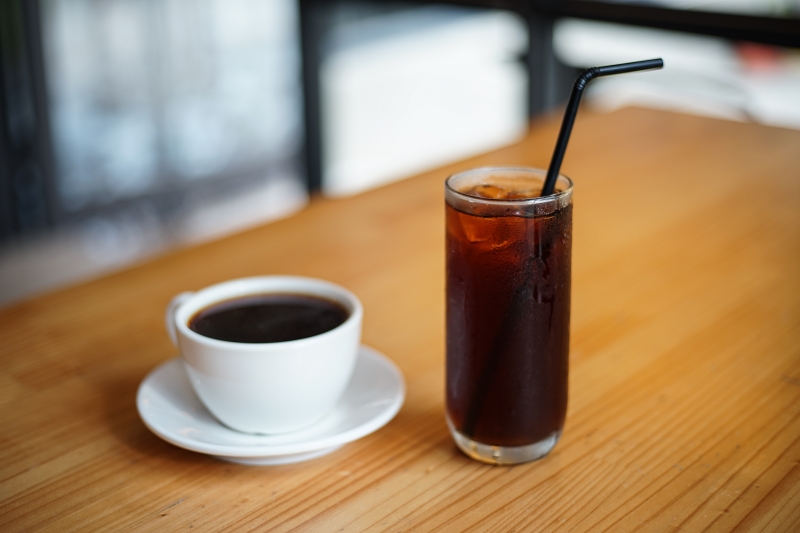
(170, 409)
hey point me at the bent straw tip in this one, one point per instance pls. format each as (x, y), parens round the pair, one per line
(622, 68)
(572, 110)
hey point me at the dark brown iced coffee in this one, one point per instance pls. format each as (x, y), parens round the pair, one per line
(508, 309)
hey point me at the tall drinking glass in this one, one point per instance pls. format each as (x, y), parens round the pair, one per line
(508, 303)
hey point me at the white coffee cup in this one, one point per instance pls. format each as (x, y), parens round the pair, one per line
(267, 387)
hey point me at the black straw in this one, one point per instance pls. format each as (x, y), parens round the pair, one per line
(572, 110)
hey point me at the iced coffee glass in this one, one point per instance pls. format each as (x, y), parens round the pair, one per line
(508, 305)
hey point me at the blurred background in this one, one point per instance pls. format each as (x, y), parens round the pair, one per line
(130, 128)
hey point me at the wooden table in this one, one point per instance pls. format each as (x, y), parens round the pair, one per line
(684, 406)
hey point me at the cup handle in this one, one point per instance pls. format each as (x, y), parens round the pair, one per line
(169, 317)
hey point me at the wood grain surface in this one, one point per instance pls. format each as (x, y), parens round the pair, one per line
(684, 410)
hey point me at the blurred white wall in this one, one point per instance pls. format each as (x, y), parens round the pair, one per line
(408, 91)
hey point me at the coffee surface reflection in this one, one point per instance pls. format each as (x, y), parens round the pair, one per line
(266, 318)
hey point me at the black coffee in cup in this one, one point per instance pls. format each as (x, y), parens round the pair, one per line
(261, 318)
